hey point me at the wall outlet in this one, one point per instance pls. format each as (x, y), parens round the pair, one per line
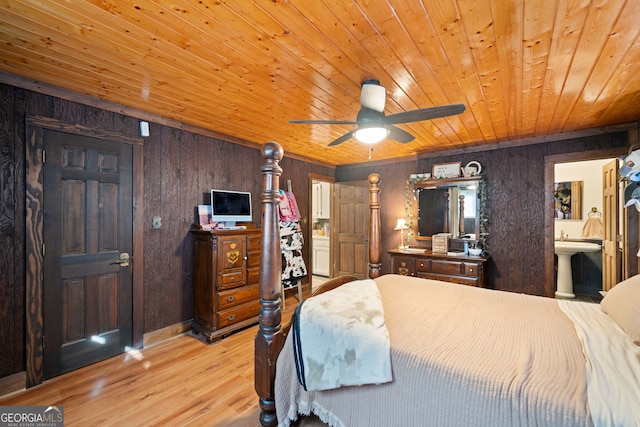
(156, 222)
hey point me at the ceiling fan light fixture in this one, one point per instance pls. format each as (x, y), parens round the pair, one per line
(371, 135)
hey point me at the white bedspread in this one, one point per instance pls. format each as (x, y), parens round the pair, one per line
(341, 339)
(613, 366)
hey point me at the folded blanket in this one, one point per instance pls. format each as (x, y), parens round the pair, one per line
(340, 338)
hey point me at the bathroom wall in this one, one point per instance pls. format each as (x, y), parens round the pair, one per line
(590, 173)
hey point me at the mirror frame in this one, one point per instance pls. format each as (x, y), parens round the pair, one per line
(446, 183)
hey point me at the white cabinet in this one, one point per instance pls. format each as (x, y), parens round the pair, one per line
(321, 200)
(321, 255)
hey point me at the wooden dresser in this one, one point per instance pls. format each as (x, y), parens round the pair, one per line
(225, 281)
(465, 270)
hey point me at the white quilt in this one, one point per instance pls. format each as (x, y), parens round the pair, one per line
(340, 338)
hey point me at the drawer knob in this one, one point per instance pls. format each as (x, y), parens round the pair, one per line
(230, 298)
(231, 317)
(471, 270)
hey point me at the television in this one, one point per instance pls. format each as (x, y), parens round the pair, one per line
(229, 207)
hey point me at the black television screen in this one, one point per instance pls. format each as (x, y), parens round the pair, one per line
(230, 206)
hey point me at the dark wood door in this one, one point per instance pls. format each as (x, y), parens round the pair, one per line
(352, 229)
(88, 213)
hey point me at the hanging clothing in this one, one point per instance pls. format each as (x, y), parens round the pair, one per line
(291, 240)
(288, 208)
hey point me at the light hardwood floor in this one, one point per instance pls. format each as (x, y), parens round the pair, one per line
(179, 382)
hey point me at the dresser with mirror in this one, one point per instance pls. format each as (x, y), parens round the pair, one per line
(448, 207)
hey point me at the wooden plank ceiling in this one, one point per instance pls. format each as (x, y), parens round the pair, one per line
(522, 68)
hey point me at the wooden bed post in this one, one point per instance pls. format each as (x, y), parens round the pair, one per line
(375, 248)
(268, 341)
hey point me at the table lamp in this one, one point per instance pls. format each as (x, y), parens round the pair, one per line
(401, 226)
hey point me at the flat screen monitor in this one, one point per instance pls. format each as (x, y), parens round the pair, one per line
(230, 207)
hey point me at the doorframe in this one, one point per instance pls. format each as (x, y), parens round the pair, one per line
(549, 171)
(34, 274)
(331, 180)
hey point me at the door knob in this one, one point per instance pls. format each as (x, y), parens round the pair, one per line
(124, 260)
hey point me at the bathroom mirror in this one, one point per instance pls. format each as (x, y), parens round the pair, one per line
(447, 206)
(567, 198)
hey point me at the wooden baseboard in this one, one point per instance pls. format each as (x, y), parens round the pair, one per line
(171, 331)
(13, 383)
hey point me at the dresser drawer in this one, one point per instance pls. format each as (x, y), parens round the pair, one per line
(231, 278)
(253, 259)
(461, 280)
(423, 265)
(404, 266)
(472, 269)
(253, 275)
(446, 267)
(233, 297)
(238, 314)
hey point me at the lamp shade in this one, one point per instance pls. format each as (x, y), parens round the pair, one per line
(401, 225)
(372, 95)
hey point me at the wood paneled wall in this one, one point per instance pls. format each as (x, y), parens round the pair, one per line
(179, 170)
(515, 182)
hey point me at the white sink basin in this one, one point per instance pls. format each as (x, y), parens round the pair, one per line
(564, 250)
(575, 247)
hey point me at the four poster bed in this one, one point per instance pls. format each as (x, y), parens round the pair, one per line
(445, 354)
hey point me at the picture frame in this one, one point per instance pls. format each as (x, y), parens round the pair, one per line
(204, 217)
(446, 170)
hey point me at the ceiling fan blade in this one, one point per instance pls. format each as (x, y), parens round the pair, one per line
(342, 139)
(323, 122)
(399, 135)
(424, 114)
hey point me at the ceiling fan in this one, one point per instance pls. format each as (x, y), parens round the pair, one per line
(374, 126)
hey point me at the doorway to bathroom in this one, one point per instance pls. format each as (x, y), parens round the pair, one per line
(585, 168)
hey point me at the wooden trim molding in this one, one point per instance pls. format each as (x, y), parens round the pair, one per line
(12, 383)
(34, 276)
(160, 335)
(549, 170)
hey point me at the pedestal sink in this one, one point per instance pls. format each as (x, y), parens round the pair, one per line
(564, 250)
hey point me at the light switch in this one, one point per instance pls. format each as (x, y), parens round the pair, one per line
(156, 223)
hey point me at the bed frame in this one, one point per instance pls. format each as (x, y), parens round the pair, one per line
(271, 333)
